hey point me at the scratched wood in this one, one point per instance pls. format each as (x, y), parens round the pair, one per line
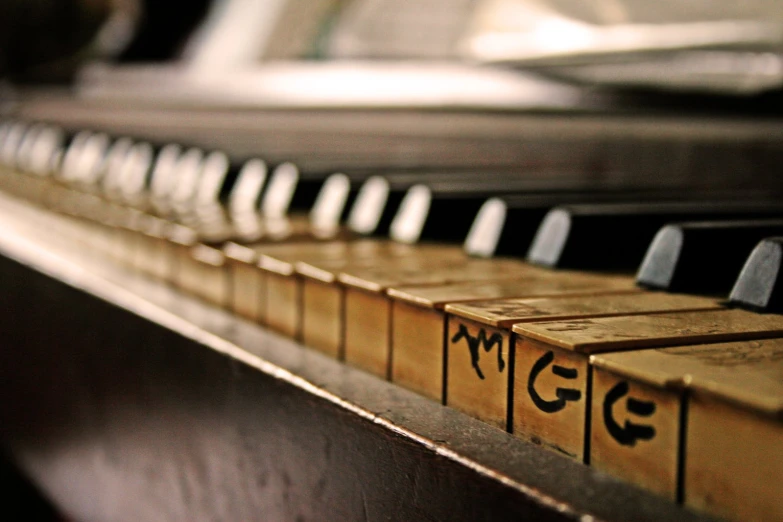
(506, 312)
(732, 450)
(319, 329)
(379, 259)
(417, 350)
(747, 373)
(569, 343)
(550, 390)
(532, 283)
(282, 304)
(282, 258)
(639, 331)
(478, 369)
(539, 400)
(635, 431)
(432, 270)
(376, 258)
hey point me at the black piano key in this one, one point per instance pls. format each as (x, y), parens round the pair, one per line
(615, 237)
(702, 257)
(292, 191)
(380, 197)
(445, 212)
(506, 225)
(759, 286)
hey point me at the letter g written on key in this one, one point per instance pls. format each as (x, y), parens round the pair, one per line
(564, 395)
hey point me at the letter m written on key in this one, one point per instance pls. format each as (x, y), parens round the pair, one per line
(476, 343)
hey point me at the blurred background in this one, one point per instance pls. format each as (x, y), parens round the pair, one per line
(700, 45)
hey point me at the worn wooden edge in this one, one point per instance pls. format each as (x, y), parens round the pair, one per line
(734, 394)
(401, 295)
(654, 379)
(509, 323)
(662, 341)
(360, 283)
(277, 266)
(315, 272)
(239, 253)
(422, 294)
(557, 484)
(208, 255)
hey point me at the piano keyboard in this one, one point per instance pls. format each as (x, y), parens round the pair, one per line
(679, 393)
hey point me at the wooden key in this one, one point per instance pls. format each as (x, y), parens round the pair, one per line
(247, 281)
(552, 410)
(205, 275)
(283, 302)
(324, 327)
(282, 309)
(417, 348)
(242, 262)
(703, 257)
(155, 253)
(182, 240)
(759, 286)
(368, 309)
(270, 267)
(476, 386)
(700, 422)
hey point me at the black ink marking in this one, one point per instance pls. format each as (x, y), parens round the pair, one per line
(564, 395)
(641, 408)
(474, 343)
(565, 373)
(628, 434)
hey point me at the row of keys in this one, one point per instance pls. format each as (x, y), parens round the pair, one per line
(579, 362)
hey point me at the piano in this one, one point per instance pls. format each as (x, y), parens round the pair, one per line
(295, 293)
